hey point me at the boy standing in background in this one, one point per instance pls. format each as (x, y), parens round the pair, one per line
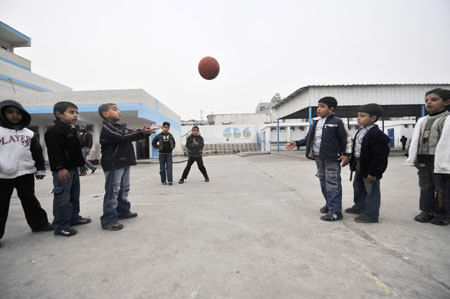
(194, 145)
(165, 143)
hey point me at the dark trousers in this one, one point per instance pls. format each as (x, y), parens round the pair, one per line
(34, 214)
(367, 196)
(434, 187)
(200, 165)
(165, 167)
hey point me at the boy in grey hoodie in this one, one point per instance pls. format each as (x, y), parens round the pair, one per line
(20, 160)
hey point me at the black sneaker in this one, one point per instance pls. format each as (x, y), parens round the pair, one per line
(93, 170)
(364, 219)
(164, 183)
(170, 183)
(324, 209)
(131, 215)
(352, 210)
(206, 179)
(439, 220)
(46, 228)
(181, 181)
(82, 220)
(113, 227)
(424, 217)
(332, 216)
(66, 232)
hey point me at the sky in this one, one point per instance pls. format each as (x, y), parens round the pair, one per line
(263, 47)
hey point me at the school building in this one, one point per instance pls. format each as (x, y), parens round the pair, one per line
(403, 104)
(38, 95)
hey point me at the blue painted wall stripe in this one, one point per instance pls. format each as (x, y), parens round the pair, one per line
(15, 64)
(143, 110)
(23, 83)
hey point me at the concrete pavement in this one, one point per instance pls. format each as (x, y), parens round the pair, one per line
(252, 232)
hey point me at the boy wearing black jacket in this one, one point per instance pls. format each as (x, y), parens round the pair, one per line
(117, 157)
(65, 156)
(369, 160)
(20, 160)
(165, 143)
(194, 145)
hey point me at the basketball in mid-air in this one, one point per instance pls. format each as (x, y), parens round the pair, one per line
(208, 68)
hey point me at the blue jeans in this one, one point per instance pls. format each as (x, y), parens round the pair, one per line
(329, 174)
(66, 200)
(165, 167)
(367, 196)
(87, 163)
(115, 202)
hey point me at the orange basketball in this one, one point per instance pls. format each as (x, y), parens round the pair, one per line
(208, 68)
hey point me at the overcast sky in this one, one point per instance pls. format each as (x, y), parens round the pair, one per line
(263, 47)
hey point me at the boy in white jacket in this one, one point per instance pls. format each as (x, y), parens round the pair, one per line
(430, 153)
(20, 159)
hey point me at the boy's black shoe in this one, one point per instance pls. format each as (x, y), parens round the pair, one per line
(66, 232)
(332, 216)
(113, 227)
(352, 210)
(93, 170)
(164, 183)
(439, 220)
(424, 217)
(131, 215)
(324, 209)
(364, 219)
(170, 183)
(46, 228)
(206, 179)
(82, 220)
(181, 181)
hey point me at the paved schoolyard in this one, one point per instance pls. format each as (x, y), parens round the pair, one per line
(252, 232)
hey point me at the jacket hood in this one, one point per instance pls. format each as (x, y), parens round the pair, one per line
(26, 117)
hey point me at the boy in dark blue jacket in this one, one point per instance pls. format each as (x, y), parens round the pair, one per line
(117, 157)
(328, 142)
(369, 161)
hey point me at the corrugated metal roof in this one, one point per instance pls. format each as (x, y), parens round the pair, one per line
(305, 88)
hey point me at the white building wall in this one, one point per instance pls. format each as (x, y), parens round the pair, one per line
(217, 134)
(9, 70)
(240, 118)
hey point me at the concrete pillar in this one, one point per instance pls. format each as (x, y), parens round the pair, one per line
(288, 133)
(278, 135)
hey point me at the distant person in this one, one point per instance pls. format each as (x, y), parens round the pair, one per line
(117, 157)
(429, 151)
(86, 146)
(165, 143)
(328, 142)
(369, 160)
(20, 160)
(194, 145)
(403, 141)
(65, 157)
